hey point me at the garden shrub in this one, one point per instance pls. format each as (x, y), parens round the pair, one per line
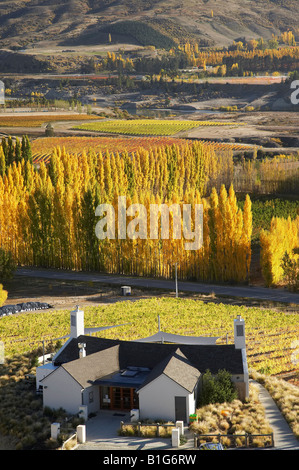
(217, 389)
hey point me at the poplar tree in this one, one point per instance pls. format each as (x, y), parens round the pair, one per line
(3, 295)
(2, 162)
(18, 151)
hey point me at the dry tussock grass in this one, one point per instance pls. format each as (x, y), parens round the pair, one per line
(286, 396)
(147, 431)
(234, 418)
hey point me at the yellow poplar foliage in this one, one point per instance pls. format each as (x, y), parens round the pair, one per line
(3, 295)
(47, 215)
(199, 57)
(282, 237)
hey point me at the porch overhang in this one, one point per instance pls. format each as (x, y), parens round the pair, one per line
(128, 378)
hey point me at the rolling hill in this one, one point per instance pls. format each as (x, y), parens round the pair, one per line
(28, 23)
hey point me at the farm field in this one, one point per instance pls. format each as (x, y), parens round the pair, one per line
(36, 120)
(187, 111)
(264, 208)
(148, 126)
(272, 336)
(42, 148)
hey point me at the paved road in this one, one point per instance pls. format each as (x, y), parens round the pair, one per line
(261, 293)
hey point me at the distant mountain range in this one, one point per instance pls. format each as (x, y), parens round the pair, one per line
(212, 22)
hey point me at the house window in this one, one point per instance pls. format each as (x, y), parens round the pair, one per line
(240, 330)
(90, 397)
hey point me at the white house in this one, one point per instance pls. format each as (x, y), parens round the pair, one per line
(161, 380)
(175, 382)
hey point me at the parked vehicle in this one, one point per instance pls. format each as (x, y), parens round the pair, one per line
(211, 446)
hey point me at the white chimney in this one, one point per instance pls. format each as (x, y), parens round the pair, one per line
(239, 333)
(77, 323)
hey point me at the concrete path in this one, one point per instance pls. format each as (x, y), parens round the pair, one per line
(262, 293)
(284, 438)
(101, 434)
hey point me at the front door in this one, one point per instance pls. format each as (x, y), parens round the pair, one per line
(126, 398)
(180, 409)
(119, 398)
(122, 398)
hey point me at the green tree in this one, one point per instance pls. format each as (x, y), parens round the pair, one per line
(2, 162)
(18, 151)
(26, 149)
(7, 265)
(10, 151)
(291, 271)
(208, 392)
(217, 389)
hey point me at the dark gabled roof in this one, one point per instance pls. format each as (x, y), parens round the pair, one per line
(202, 357)
(70, 351)
(177, 367)
(87, 370)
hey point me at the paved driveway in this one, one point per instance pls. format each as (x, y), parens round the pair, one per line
(101, 433)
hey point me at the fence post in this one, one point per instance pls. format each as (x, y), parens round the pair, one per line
(195, 440)
(81, 433)
(158, 431)
(175, 437)
(180, 425)
(139, 424)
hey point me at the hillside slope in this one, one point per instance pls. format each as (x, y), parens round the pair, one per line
(214, 22)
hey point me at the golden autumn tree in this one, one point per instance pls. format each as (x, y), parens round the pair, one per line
(281, 238)
(48, 215)
(3, 295)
